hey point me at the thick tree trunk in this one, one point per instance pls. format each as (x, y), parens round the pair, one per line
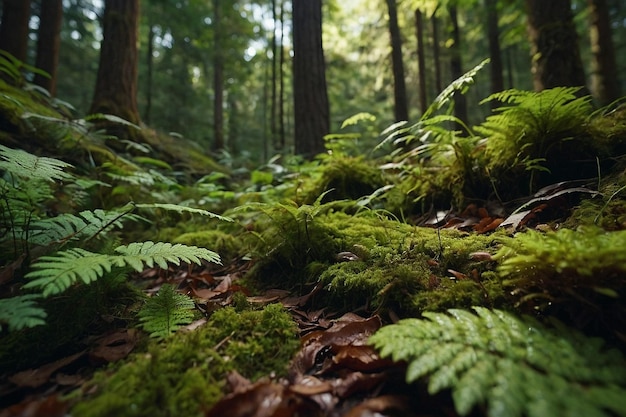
(456, 65)
(604, 82)
(311, 109)
(48, 42)
(14, 27)
(149, 72)
(493, 34)
(555, 55)
(421, 61)
(116, 84)
(281, 78)
(401, 109)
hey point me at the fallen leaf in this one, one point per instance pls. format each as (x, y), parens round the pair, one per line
(33, 378)
(113, 346)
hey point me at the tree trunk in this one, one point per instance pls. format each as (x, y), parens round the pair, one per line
(218, 81)
(149, 72)
(493, 34)
(421, 61)
(281, 78)
(436, 53)
(116, 84)
(604, 82)
(14, 27)
(456, 65)
(311, 109)
(555, 55)
(48, 42)
(401, 109)
(274, 101)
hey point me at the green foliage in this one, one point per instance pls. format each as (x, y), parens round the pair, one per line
(513, 366)
(186, 375)
(166, 312)
(56, 273)
(534, 131)
(21, 312)
(579, 271)
(26, 165)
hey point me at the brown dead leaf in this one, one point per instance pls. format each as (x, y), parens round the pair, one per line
(33, 378)
(113, 346)
(359, 358)
(378, 405)
(49, 406)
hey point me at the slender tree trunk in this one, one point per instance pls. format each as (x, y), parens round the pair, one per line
(14, 27)
(493, 34)
(556, 60)
(401, 109)
(604, 82)
(149, 70)
(48, 42)
(311, 109)
(274, 101)
(281, 78)
(436, 53)
(218, 81)
(456, 65)
(421, 61)
(116, 83)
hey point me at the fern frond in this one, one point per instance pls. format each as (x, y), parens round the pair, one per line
(56, 273)
(149, 253)
(27, 165)
(70, 227)
(21, 312)
(166, 312)
(516, 366)
(183, 209)
(460, 84)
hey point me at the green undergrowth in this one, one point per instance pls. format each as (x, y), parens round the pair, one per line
(185, 376)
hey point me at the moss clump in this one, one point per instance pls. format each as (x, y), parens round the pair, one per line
(186, 376)
(577, 275)
(401, 266)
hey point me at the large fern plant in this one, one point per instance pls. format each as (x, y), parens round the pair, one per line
(507, 365)
(66, 254)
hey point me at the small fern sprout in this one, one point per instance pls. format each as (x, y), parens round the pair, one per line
(166, 312)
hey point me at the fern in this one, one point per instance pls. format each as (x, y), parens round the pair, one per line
(55, 273)
(21, 312)
(71, 227)
(165, 312)
(514, 366)
(27, 165)
(183, 209)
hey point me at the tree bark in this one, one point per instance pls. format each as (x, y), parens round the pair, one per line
(116, 83)
(218, 81)
(14, 27)
(493, 34)
(456, 65)
(604, 83)
(149, 73)
(311, 109)
(401, 109)
(436, 53)
(556, 60)
(421, 61)
(48, 42)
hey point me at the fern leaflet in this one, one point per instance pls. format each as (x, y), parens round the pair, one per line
(182, 209)
(515, 366)
(165, 312)
(21, 312)
(55, 273)
(26, 165)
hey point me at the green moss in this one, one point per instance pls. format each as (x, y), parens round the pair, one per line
(578, 275)
(186, 376)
